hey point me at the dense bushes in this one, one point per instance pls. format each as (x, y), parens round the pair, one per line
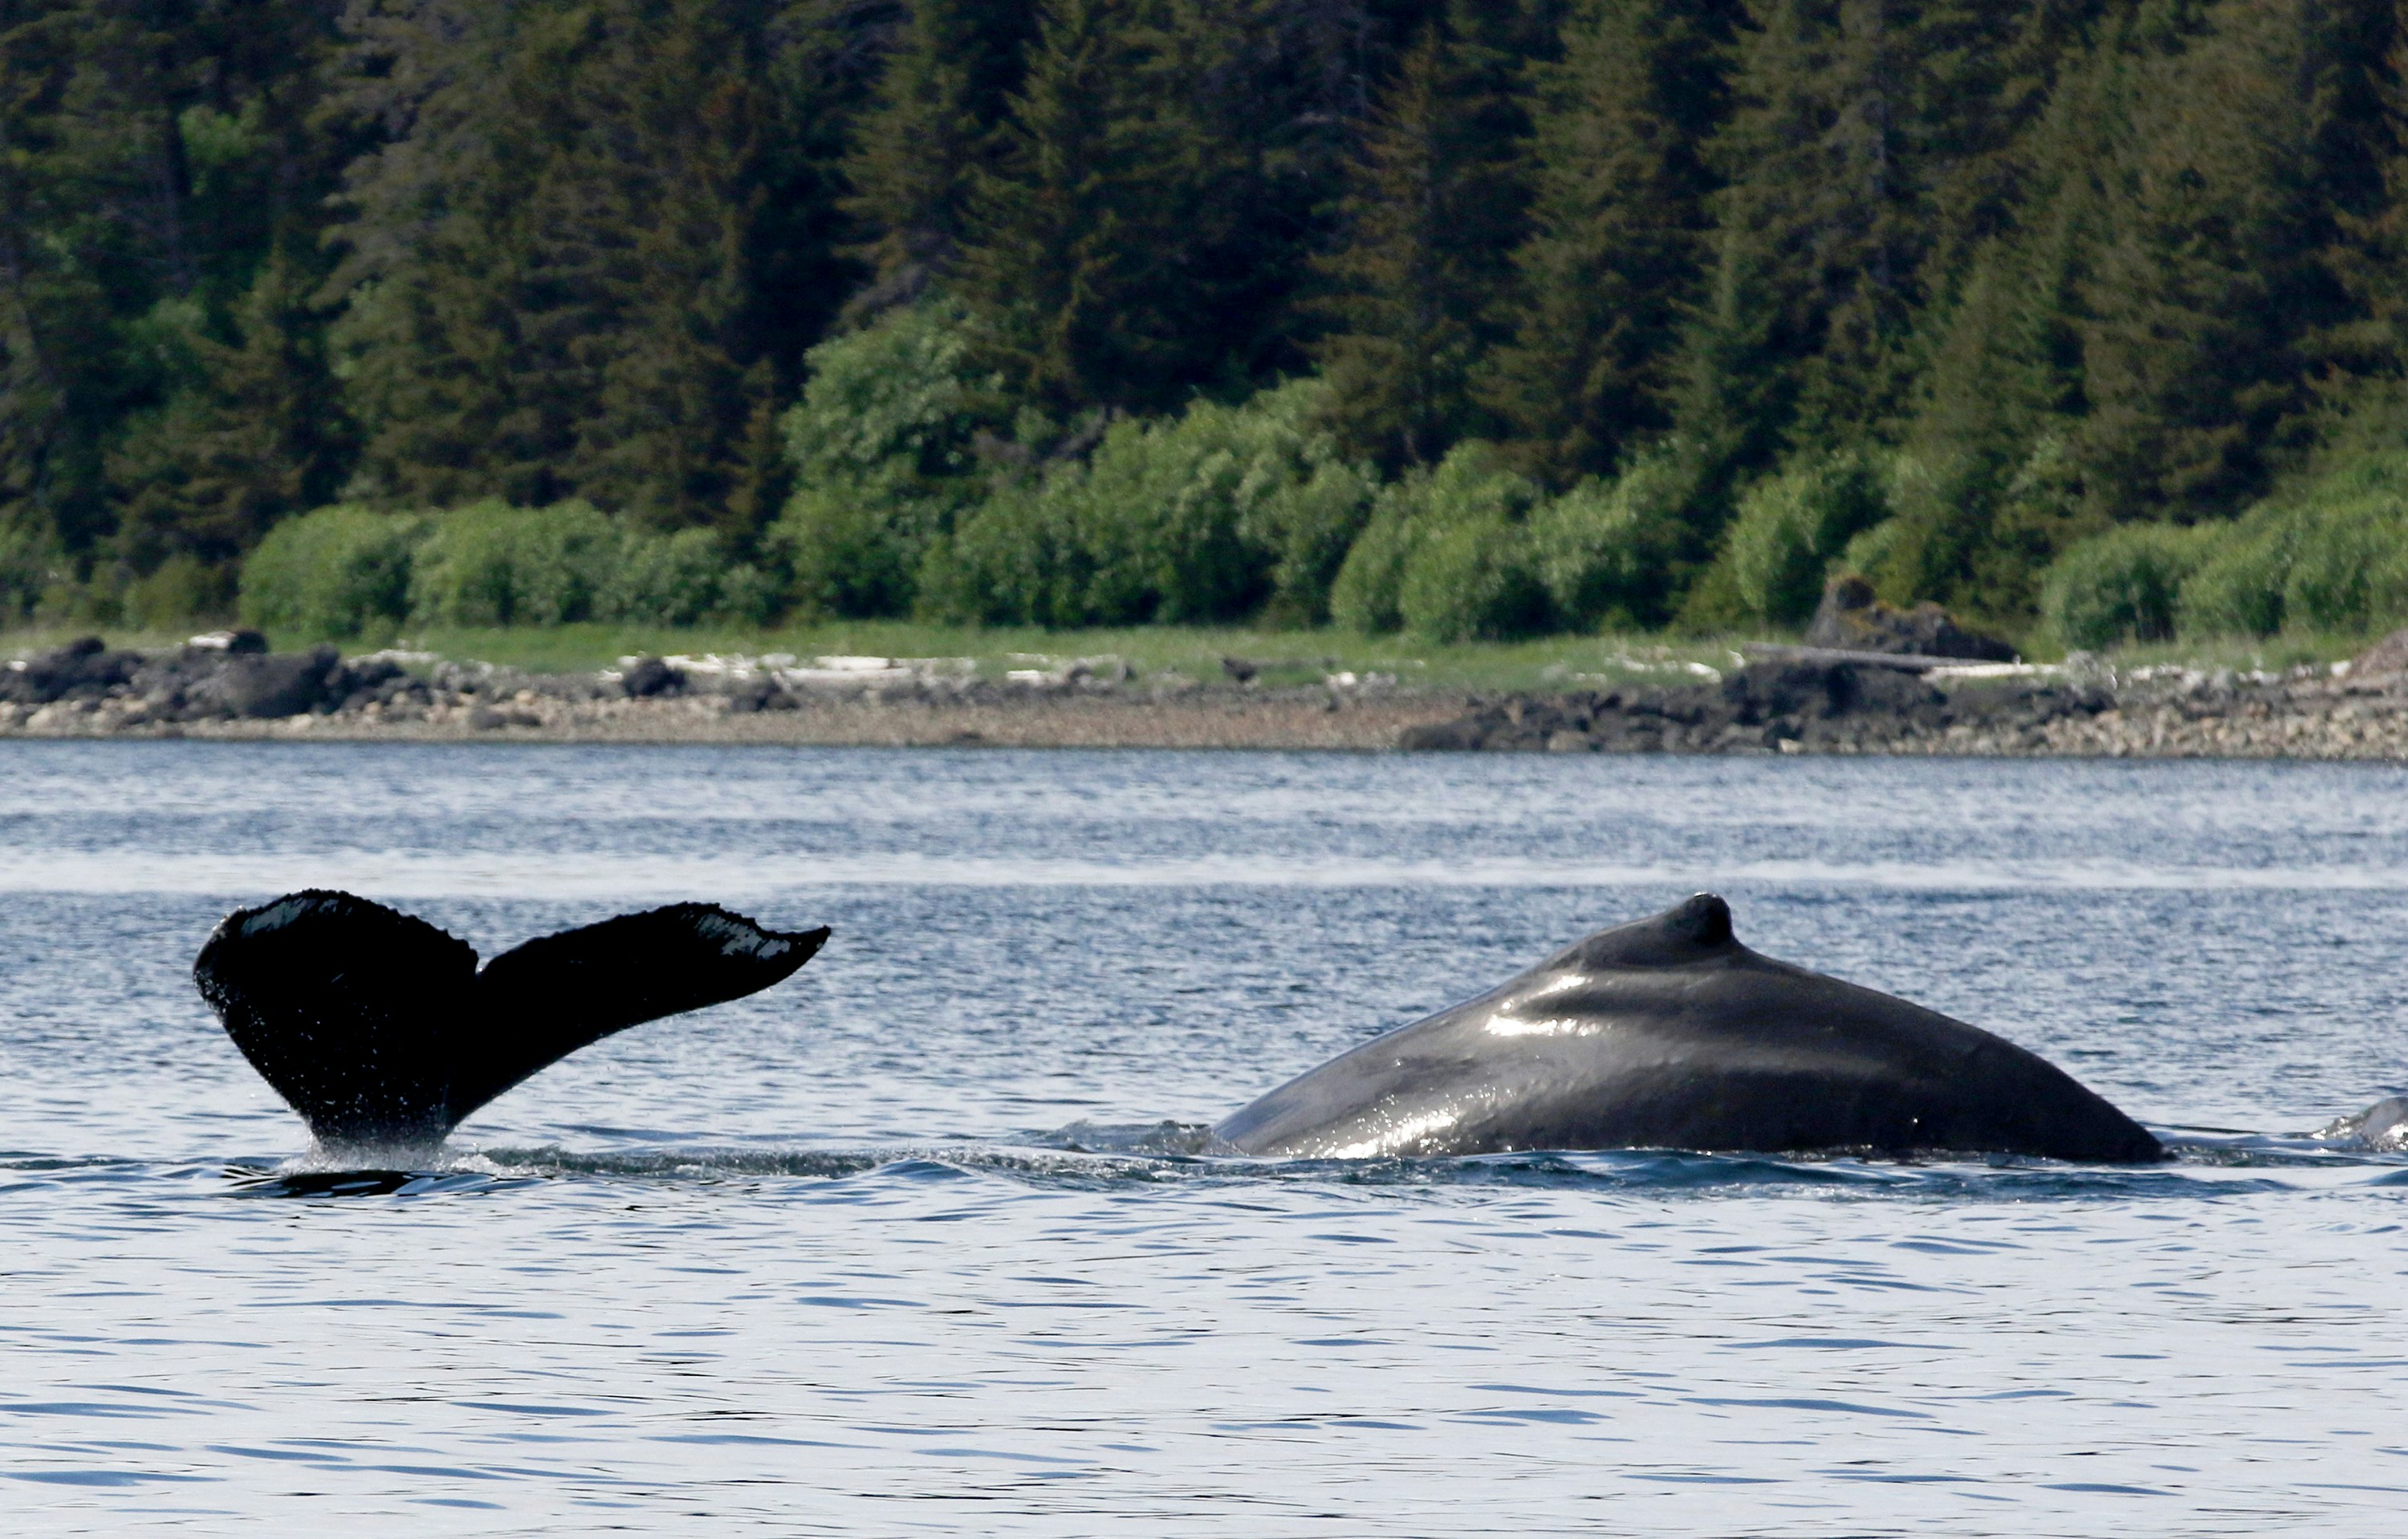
(913, 501)
(31, 568)
(2122, 585)
(883, 444)
(1447, 555)
(1604, 549)
(2330, 556)
(337, 572)
(1217, 515)
(350, 571)
(1790, 526)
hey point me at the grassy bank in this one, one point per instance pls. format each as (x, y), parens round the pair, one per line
(1197, 651)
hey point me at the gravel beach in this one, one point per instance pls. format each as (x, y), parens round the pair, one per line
(228, 686)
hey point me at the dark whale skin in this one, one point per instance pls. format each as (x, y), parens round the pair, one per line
(380, 1031)
(1669, 1034)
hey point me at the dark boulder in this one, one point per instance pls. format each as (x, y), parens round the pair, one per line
(83, 669)
(760, 695)
(265, 685)
(1852, 619)
(234, 642)
(1464, 736)
(647, 677)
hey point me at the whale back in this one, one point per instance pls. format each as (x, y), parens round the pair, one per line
(379, 1028)
(1668, 1033)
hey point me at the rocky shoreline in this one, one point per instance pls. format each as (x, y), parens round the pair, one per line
(2002, 710)
(229, 686)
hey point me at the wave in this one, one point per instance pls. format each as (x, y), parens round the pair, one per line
(1086, 1156)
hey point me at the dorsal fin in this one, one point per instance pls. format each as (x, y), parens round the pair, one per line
(1696, 929)
(378, 1028)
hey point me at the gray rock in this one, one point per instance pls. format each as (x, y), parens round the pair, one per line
(1850, 618)
(647, 677)
(260, 686)
(83, 669)
(761, 695)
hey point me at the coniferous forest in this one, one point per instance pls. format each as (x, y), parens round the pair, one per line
(2087, 317)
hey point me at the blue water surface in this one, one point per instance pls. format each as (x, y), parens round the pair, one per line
(922, 1241)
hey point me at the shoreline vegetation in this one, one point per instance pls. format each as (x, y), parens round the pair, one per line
(1595, 696)
(1431, 323)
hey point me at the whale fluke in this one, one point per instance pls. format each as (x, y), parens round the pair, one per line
(378, 1028)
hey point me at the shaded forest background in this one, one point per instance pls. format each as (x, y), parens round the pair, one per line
(1465, 319)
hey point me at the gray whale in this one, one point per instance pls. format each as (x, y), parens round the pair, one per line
(379, 1030)
(1668, 1033)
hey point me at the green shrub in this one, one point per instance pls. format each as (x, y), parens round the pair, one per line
(30, 566)
(2123, 585)
(489, 564)
(1790, 526)
(180, 590)
(2326, 556)
(1605, 551)
(2345, 564)
(851, 550)
(883, 444)
(1469, 487)
(1207, 516)
(663, 579)
(1155, 516)
(1369, 595)
(2237, 581)
(1472, 580)
(334, 573)
(1014, 561)
(1298, 499)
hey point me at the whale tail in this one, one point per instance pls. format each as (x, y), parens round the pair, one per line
(378, 1028)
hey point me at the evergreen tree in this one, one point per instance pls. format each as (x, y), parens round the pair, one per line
(260, 435)
(1264, 97)
(1866, 138)
(1618, 233)
(927, 135)
(2215, 279)
(1994, 497)
(1067, 269)
(53, 315)
(1431, 220)
(552, 277)
(679, 393)
(152, 153)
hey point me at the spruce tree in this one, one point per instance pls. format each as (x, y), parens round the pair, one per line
(2213, 281)
(1866, 138)
(1619, 230)
(52, 316)
(1067, 265)
(151, 156)
(2001, 393)
(260, 436)
(553, 281)
(927, 136)
(1432, 219)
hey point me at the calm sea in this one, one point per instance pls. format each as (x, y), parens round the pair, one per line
(915, 1244)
